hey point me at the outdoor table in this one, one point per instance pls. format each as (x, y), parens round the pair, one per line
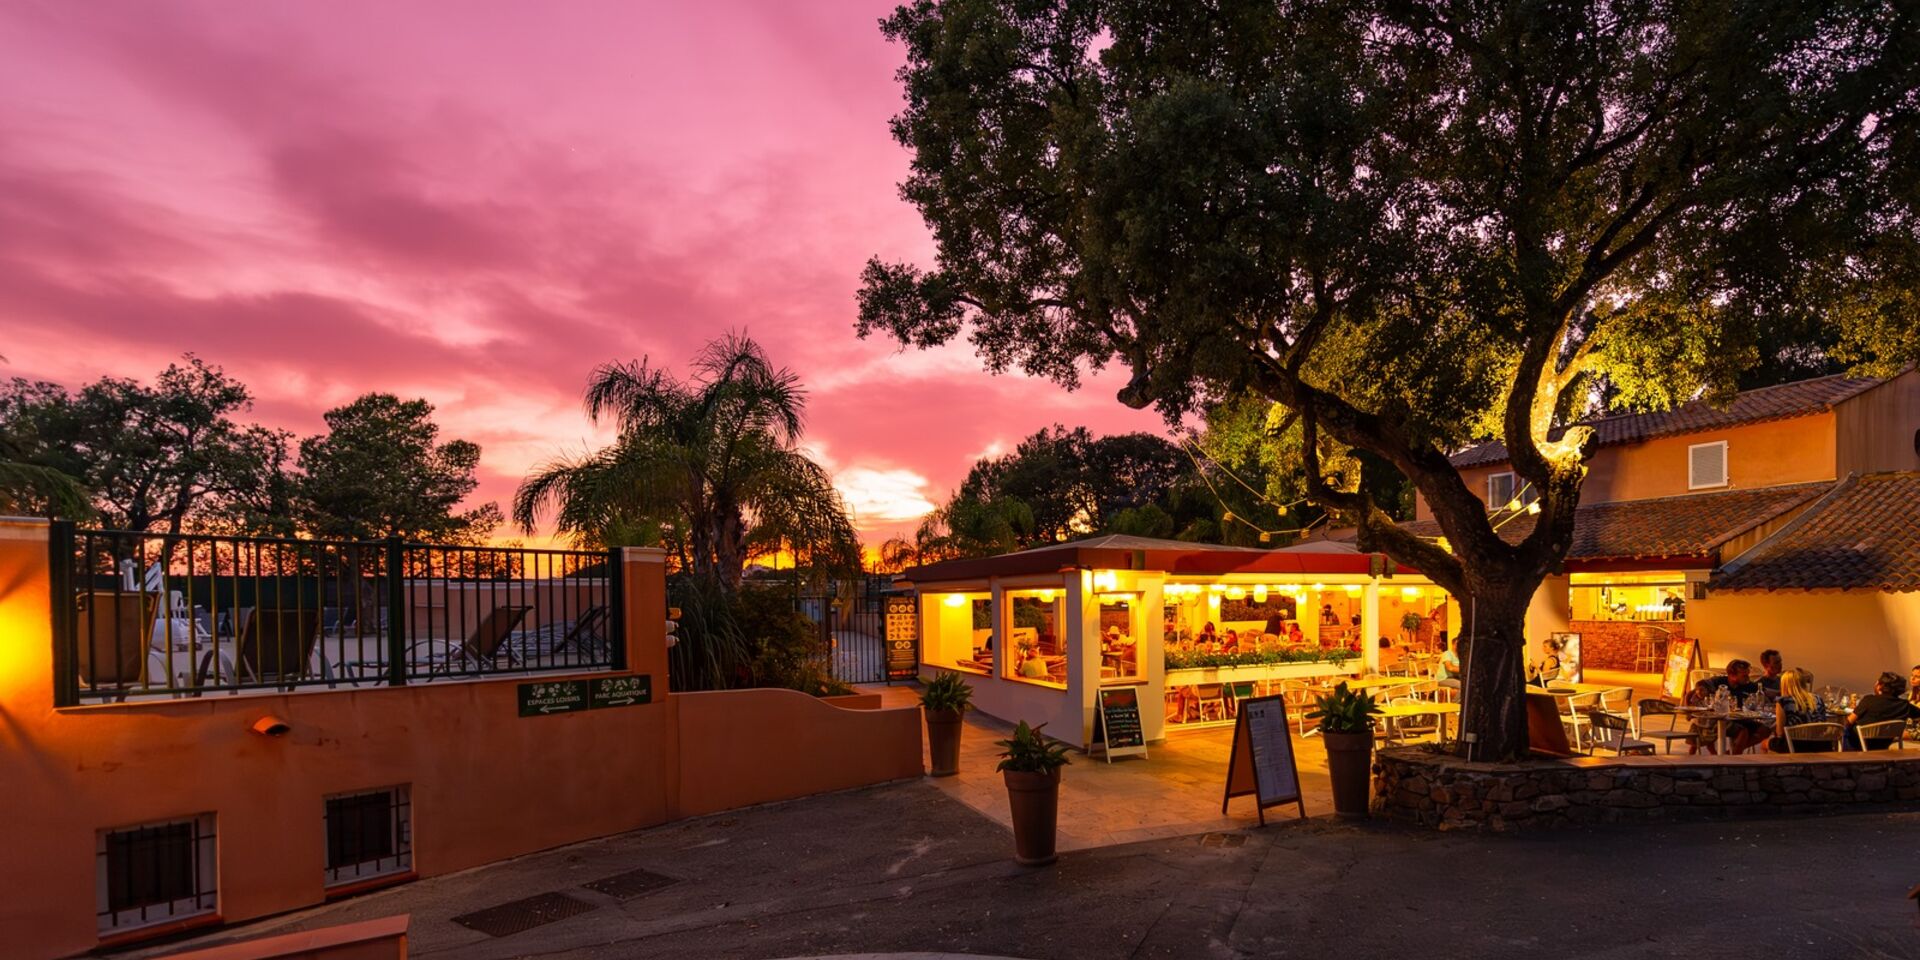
(1722, 721)
(1438, 708)
(1371, 683)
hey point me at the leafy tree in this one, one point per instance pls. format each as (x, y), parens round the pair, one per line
(36, 477)
(1413, 223)
(1072, 482)
(153, 457)
(380, 470)
(710, 467)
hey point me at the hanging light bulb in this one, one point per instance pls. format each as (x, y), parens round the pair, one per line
(1046, 595)
(1236, 593)
(1533, 509)
(1260, 593)
(1266, 537)
(1319, 588)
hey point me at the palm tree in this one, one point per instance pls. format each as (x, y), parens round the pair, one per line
(708, 467)
(966, 527)
(32, 488)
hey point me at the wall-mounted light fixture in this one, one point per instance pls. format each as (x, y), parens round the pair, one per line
(271, 726)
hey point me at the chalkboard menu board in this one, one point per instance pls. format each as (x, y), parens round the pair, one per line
(1262, 763)
(1116, 723)
(903, 637)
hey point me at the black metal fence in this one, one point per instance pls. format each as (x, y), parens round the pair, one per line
(852, 614)
(183, 615)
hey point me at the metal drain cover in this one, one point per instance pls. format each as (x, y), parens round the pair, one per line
(633, 883)
(1223, 840)
(508, 919)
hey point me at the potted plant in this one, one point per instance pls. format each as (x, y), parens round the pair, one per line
(944, 700)
(1346, 726)
(1031, 765)
(1410, 623)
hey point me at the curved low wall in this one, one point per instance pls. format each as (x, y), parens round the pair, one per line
(742, 747)
(1413, 785)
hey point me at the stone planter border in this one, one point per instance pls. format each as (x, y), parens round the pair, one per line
(1413, 785)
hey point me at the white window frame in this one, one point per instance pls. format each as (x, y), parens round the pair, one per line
(1513, 483)
(400, 807)
(199, 903)
(1726, 469)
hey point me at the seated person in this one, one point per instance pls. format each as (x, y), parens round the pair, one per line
(1293, 633)
(1888, 701)
(1742, 735)
(1327, 617)
(1770, 670)
(1703, 730)
(1449, 668)
(1207, 633)
(1232, 642)
(1797, 705)
(1033, 668)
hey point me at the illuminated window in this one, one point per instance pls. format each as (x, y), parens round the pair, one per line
(1119, 635)
(369, 835)
(154, 873)
(1038, 644)
(959, 631)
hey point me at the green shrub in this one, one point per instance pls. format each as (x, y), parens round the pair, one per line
(1029, 752)
(948, 691)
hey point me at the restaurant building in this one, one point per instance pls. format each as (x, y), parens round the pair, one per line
(1785, 519)
(1191, 626)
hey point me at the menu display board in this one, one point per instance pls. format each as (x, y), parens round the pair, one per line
(1262, 763)
(903, 638)
(1680, 655)
(1116, 723)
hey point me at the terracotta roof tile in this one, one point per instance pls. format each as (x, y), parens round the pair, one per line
(1866, 536)
(1782, 402)
(1694, 525)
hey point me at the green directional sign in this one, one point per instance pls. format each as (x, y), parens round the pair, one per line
(622, 691)
(552, 696)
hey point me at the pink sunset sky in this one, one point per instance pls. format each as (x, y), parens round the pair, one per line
(476, 203)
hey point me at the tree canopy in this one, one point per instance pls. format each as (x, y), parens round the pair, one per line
(381, 470)
(1414, 224)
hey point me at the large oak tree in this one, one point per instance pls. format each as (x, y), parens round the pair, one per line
(1414, 224)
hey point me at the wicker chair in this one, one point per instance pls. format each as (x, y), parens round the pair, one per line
(1892, 731)
(1802, 736)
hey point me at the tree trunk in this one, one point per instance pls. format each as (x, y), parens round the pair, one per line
(1493, 719)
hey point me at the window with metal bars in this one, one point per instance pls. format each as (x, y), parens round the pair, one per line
(368, 835)
(155, 872)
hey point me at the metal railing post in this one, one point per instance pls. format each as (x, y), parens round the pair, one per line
(616, 610)
(66, 631)
(396, 613)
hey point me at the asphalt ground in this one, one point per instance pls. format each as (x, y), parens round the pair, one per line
(905, 868)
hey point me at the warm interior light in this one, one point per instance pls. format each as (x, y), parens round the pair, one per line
(1353, 589)
(956, 600)
(1411, 593)
(1105, 580)
(1260, 593)
(1216, 588)
(1319, 588)
(1236, 593)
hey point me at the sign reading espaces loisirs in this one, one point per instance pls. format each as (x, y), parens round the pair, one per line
(549, 697)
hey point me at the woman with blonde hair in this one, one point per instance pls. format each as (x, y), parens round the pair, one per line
(1797, 705)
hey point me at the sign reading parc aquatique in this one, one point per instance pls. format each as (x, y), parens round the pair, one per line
(549, 697)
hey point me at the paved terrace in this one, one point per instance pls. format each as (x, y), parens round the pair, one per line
(905, 867)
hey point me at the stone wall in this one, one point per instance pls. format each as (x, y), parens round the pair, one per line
(1414, 785)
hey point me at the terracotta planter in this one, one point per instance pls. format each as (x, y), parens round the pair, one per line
(1035, 798)
(943, 741)
(1350, 767)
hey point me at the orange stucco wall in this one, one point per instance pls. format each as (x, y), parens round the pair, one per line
(1799, 450)
(486, 784)
(381, 939)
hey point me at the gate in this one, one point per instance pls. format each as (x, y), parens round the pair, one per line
(852, 617)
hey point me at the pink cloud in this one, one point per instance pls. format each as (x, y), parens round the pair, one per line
(477, 203)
